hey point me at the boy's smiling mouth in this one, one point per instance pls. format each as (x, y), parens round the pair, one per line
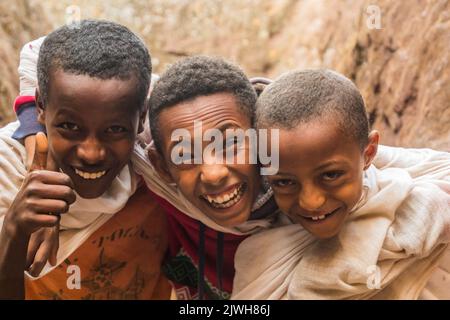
(227, 198)
(90, 175)
(320, 217)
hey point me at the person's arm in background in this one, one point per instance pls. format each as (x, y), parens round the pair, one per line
(25, 106)
(26, 113)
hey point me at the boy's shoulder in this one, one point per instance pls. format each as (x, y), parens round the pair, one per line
(12, 166)
(8, 129)
(416, 202)
(11, 150)
(416, 160)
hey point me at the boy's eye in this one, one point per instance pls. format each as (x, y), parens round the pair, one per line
(332, 175)
(281, 183)
(69, 126)
(116, 129)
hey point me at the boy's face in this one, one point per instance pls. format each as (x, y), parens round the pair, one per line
(91, 127)
(320, 176)
(224, 192)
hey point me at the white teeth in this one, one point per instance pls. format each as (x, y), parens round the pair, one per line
(318, 218)
(90, 176)
(227, 200)
(321, 217)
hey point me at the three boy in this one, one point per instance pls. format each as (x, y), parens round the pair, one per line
(220, 95)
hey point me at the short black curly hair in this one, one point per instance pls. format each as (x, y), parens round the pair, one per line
(96, 48)
(197, 76)
(301, 96)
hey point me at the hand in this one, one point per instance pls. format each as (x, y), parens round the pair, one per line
(44, 243)
(43, 247)
(42, 192)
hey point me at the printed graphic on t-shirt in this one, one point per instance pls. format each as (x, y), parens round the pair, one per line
(183, 273)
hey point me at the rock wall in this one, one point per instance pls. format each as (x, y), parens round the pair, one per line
(402, 69)
(19, 22)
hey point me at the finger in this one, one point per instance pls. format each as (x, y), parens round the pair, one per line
(50, 178)
(51, 163)
(56, 192)
(42, 255)
(46, 206)
(37, 221)
(33, 245)
(44, 156)
(30, 147)
(55, 247)
(41, 150)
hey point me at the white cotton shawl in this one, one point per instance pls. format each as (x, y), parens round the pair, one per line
(85, 216)
(28, 67)
(396, 236)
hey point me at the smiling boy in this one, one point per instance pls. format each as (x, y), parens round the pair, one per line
(357, 232)
(230, 197)
(327, 147)
(224, 192)
(93, 80)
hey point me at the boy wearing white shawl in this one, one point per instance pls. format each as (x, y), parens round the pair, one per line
(362, 232)
(91, 99)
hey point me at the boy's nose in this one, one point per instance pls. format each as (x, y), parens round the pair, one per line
(311, 198)
(213, 174)
(91, 151)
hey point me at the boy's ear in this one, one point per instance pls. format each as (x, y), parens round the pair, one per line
(159, 164)
(39, 107)
(371, 149)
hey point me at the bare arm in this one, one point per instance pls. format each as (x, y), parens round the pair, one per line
(43, 196)
(13, 251)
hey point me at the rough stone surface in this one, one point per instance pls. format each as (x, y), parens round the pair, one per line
(19, 23)
(402, 69)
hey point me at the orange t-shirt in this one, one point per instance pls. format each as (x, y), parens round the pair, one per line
(120, 260)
